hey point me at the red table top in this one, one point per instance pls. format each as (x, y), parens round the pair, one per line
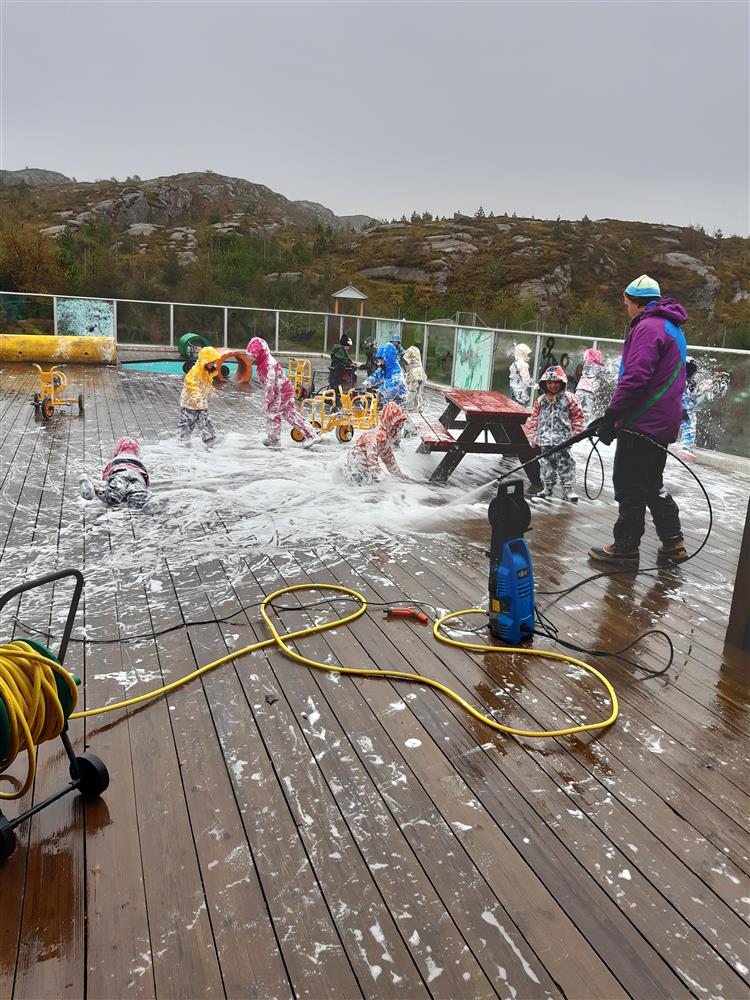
(479, 401)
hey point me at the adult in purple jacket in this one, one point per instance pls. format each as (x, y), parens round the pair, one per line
(648, 400)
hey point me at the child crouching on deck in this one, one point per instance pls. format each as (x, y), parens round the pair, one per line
(125, 480)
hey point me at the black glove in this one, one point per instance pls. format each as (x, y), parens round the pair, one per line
(605, 430)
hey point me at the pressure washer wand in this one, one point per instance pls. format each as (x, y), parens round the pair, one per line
(475, 494)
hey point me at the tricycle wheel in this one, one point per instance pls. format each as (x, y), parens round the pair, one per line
(36, 400)
(344, 432)
(187, 365)
(93, 776)
(57, 380)
(297, 435)
(47, 408)
(7, 839)
(316, 424)
(298, 392)
(80, 402)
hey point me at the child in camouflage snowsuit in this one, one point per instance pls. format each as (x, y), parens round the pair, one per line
(520, 375)
(556, 417)
(415, 380)
(591, 390)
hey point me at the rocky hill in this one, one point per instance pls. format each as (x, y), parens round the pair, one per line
(204, 237)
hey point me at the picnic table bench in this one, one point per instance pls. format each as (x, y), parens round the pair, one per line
(476, 412)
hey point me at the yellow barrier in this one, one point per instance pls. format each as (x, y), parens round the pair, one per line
(90, 350)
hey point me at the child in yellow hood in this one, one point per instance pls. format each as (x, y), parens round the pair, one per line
(194, 399)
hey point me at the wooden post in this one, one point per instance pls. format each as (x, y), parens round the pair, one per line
(738, 629)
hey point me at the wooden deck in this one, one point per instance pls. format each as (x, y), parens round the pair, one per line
(270, 831)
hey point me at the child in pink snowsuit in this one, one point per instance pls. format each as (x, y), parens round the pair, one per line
(279, 400)
(375, 446)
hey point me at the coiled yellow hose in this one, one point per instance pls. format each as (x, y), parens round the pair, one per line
(27, 684)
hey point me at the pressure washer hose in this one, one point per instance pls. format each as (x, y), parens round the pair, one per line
(29, 694)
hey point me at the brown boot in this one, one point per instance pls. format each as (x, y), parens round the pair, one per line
(672, 552)
(615, 555)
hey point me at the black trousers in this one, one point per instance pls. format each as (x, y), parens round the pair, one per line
(638, 481)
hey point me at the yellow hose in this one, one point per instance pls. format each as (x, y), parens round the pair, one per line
(25, 675)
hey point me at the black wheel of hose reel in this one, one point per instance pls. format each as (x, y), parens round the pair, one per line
(7, 839)
(93, 776)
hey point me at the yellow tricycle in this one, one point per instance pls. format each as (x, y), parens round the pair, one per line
(359, 411)
(299, 373)
(50, 394)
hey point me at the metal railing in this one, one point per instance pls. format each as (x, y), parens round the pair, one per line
(444, 345)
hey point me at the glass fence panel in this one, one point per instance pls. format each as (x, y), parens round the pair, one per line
(412, 334)
(720, 391)
(207, 321)
(367, 332)
(29, 314)
(565, 352)
(85, 317)
(439, 362)
(505, 348)
(244, 324)
(143, 323)
(303, 332)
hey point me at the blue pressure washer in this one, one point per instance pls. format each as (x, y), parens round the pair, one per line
(511, 583)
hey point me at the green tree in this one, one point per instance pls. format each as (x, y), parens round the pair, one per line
(480, 213)
(171, 271)
(594, 318)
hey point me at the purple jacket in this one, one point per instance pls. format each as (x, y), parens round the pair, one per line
(654, 350)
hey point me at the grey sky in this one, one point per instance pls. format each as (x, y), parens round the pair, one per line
(627, 110)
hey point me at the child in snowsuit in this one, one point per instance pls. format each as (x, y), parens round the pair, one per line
(396, 341)
(342, 367)
(556, 417)
(520, 375)
(388, 379)
(375, 446)
(415, 379)
(194, 399)
(689, 420)
(590, 391)
(125, 479)
(279, 401)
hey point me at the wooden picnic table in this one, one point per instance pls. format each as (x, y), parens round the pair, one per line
(478, 412)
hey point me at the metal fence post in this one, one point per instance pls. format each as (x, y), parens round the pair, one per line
(356, 346)
(325, 336)
(424, 350)
(114, 319)
(226, 326)
(171, 324)
(276, 348)
(453, 361)
(54, 315)
(535, 373)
